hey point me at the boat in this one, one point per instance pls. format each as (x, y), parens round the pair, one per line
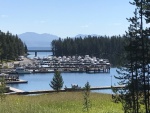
(9, 77)
(77, 70)
(43, 70)
(21, 70)
(73, 87)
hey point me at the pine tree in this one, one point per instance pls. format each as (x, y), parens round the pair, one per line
(57, 81)
(11, 46)
(0, 52)
(2, 88)
(25, 48)
(87, 102)
(135, 73)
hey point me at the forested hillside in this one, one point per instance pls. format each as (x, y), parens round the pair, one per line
(11, 46)
(111, 48)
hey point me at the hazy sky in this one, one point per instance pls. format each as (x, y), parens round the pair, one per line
(65, 17)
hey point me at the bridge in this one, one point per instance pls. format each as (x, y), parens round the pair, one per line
(39, 51)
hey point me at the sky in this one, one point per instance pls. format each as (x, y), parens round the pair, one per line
(65, 17)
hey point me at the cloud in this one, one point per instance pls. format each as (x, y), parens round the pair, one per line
(3, 16)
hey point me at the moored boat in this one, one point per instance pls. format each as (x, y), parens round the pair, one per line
(21, 70)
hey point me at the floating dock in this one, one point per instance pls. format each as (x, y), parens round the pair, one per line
(106, 87)
(21, 92)
(16, 82)
(15, 89)
(98, 70)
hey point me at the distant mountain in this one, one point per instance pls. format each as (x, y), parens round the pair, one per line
(33, 39)
(37, 40)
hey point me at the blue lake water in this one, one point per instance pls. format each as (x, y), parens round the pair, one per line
(41, 81)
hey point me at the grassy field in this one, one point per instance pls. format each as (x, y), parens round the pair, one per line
(66, 102)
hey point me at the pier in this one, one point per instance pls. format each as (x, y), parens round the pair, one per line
(12, 78)
(106, 87)
(21, 92)
(15, 89)
(16, 82)
(102, 69)
(73, 64)
(70, 64)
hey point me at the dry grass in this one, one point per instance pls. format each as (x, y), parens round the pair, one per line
(66, 102)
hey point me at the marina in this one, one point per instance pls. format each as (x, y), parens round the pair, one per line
(74, 69)
(70, 64)
(41, 81)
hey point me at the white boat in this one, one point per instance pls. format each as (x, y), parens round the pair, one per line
(22, 70)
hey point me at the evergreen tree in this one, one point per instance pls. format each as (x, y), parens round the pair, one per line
(0, 52)
(135, 73)
(25, 48)
(87, 102)
(99, 46)
(57, 81)
(11, 46)
(2, 88)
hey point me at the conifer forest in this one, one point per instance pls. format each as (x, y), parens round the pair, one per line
(105, 47)
(11, 46)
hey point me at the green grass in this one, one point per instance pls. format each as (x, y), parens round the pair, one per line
(66, 102)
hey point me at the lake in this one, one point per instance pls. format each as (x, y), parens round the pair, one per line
(41, 81)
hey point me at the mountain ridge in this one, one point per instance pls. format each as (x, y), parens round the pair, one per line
(32, 39)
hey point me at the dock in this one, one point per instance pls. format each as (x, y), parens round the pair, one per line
(78, 64)
(15, 89)
(16, 81)
(106, 87)
(98, 70)
(70, 64)
(21, 92)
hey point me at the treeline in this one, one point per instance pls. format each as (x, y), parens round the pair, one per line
(105, 47)
(11, 46)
